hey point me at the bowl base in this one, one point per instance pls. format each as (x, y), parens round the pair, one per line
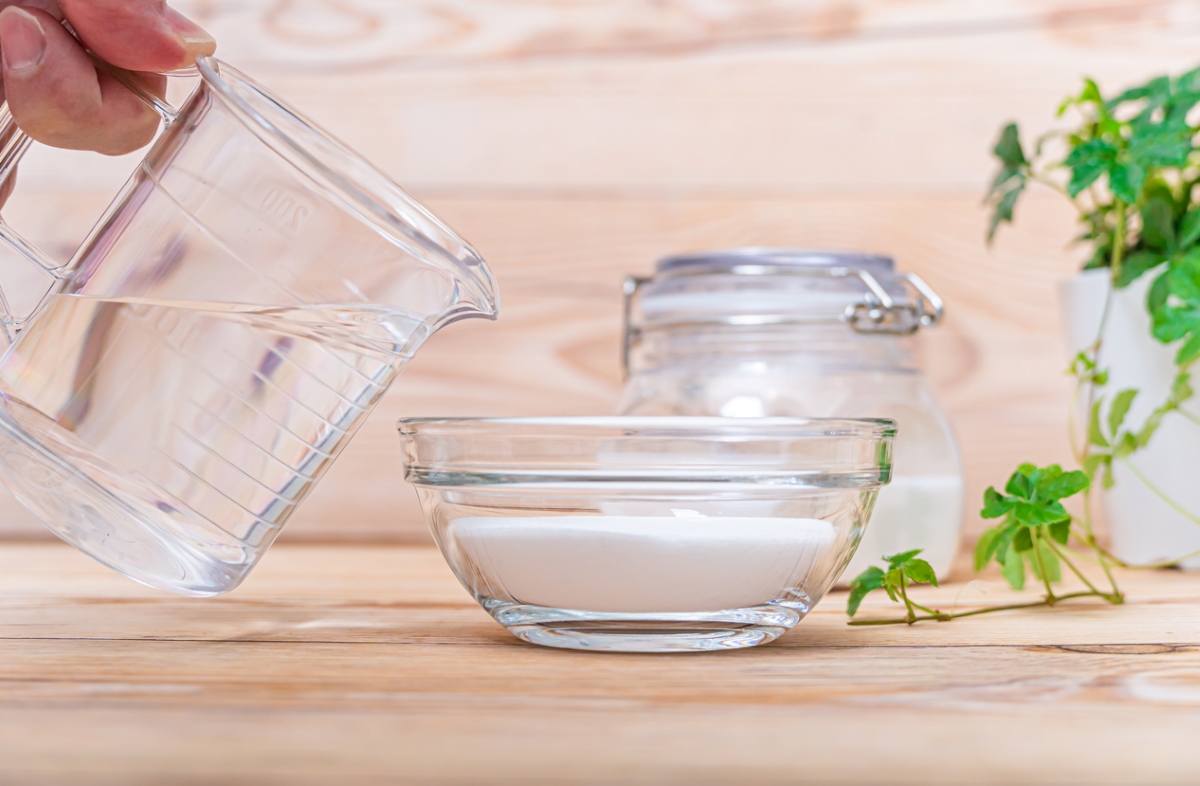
(679, 632)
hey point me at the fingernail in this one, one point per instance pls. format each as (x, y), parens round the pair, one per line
(22, 40)
(195, 39)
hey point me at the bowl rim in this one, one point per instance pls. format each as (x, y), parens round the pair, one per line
(685, 425)
(451, 452)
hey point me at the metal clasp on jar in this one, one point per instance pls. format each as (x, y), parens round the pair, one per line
(878, 313)
(881, 314)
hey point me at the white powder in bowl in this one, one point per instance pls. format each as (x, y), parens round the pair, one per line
(631, 564)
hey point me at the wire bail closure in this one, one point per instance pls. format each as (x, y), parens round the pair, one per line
(879, 313)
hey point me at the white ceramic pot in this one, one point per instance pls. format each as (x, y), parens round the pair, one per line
(1144, 527)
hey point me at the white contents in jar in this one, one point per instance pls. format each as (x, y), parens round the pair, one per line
(631, 564)
(913, 512)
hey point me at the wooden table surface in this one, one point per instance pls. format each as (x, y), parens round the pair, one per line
(371, 664)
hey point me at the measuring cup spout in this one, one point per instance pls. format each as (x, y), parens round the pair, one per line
(476, 294)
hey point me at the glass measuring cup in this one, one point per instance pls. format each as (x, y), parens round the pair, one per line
(180, 385)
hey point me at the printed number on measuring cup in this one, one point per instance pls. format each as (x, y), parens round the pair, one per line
(283, 209)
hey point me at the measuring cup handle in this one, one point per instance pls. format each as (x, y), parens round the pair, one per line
(13, 144)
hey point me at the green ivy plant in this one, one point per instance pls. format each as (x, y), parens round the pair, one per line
(1130, 166)
(1033, 533)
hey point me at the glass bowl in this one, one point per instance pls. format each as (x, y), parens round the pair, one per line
(647, 534)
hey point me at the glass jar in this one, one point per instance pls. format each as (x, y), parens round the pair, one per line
(761, 332)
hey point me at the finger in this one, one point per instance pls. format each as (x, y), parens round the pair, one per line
(138, 35)
(57, 97)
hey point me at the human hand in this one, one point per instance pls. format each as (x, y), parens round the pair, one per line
(53, 89)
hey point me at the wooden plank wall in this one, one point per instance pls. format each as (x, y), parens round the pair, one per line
(573, 141)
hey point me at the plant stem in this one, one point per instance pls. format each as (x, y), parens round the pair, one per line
(1189, 415)
(1072, 417)
(1062, 556)
(1160, 493)
(1118, 252)
(912, 616)
(941, 617)
(1094, 352)
(1086, 521)
(1037, 557)
(1104, 557)
(928, 610)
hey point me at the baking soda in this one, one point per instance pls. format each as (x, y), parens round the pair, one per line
(632, 564)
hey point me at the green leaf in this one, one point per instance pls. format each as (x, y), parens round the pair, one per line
(1010, 181)
(995, 504)
(1068, 484)
(1006, 203)
(1044, 563)
(1157, 89)
(1018, 483)
(1095, 435)
(1061, 531)
(1014, 569)
(1022, 540)
(898, 560)
(1008, 147)
(1082, 363)
(1093, 462)
(1173, 323)
(1051, 568)
(1125, 446)
(1185, 279)
(1043, 475)
(1156, 297)
(1189, 228)
(1181, 388)
(1117, 412)
(1136, 265)
(920, 572)
(1034, 515)
(1126, 180)
(985, 547)
(1189, 351)
(872, 577)
(1164, 144)
(893, 582)
(1189, 82)
(1088, 162)
(1158, 225)
(866, 582)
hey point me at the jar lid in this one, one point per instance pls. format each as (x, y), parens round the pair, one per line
(730, 260)
(771, 286)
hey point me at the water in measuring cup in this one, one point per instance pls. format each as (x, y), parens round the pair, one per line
(171, 440)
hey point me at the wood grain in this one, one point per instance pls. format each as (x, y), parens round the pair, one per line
(573, 142)
(996, 363)
(372, 664)
(315, 36)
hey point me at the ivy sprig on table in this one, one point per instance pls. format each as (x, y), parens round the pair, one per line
(1032, 536)
(903, 570)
